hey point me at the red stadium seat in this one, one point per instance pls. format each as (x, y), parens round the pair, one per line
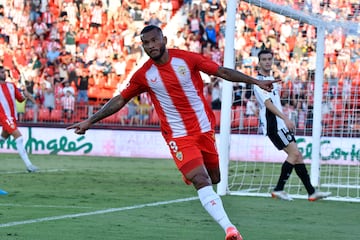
(154, 118)
(251, 122)
(217, 117)
(29, 115)
(111, 119)
(237, 116)
(44, 115)
(56, 115)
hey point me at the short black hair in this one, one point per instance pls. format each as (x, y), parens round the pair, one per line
(265, 51)
(149, 28)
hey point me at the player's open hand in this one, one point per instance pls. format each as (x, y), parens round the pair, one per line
(81, 127)
(267, 84)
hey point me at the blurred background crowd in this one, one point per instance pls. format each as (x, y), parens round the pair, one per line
(73, 54)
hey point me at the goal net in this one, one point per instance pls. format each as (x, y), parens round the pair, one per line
(316, 47)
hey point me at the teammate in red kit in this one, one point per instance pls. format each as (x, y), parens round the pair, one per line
(8, 94)
(172, 79)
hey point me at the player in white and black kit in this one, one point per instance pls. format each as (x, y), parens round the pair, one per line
(280, 130)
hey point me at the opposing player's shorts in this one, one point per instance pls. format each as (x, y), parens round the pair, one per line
(8, 124)
(281, 138)
(192, 151)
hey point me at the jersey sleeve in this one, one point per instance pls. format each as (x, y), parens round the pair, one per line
(135, 86)
(204, 64)
(261, 95)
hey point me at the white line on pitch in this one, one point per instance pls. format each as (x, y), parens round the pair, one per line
(46, 170)
(40, 171)
(110, 210)
(39, 206)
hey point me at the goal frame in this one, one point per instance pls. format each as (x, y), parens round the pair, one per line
(225, 131)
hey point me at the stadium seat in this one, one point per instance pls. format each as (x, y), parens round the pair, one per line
(154, 118)
(251, 122)
(94, 93)
(113, 119)
(106, 93)
(29, 115)
(217, 117)
(44, 115)
(81, 112)
(56, 115)
(237, 116)
(327, 120)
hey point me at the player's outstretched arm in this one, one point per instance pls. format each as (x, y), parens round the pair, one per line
(236, 76)
(111, 107)
(270, 106)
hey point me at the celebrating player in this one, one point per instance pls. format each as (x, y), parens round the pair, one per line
(280, 130)
(172, 79)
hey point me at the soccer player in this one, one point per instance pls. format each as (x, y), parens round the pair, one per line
(172, 79)
(280, 130)
(8, 94)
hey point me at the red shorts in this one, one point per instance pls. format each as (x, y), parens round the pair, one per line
(192, 151)
(8, 125)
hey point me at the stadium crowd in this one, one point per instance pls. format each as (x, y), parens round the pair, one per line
(71, 53)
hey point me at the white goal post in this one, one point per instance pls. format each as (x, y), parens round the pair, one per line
(316, 136)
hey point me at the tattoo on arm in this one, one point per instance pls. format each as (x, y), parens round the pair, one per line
(111, 107)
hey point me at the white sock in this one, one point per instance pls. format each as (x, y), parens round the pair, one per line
(22, 152)
(213, 205)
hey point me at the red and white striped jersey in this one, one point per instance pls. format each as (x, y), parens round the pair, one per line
(176, 90)
(68, 102)
(8, 94)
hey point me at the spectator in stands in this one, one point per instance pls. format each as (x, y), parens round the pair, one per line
(83, 39)
(48, 92)
(63, 72)
(70, 40)
(48, 17)
(53, 55)
(179, 40)
(68, 88)
(68, 105)
(238, 94)
(194, 43)
(131, 113)
(167, 8)
(40, 27)
(251, 107)
(119, 66)
(211, 34)
(21, 106)
(107, 67)
(267, 29)
(214, 7)
(331, 75)
(71, 13)
(194, 24)
(142, 114)
(96, 17)
(216, 94)
(204, 7)
(154, 20)
(83, 85)
(54, 33)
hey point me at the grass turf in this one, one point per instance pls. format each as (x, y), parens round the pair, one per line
(81, 197)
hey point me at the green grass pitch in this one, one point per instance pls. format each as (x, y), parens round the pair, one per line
(105, 198)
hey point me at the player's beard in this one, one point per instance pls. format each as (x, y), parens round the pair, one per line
(162, 51)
